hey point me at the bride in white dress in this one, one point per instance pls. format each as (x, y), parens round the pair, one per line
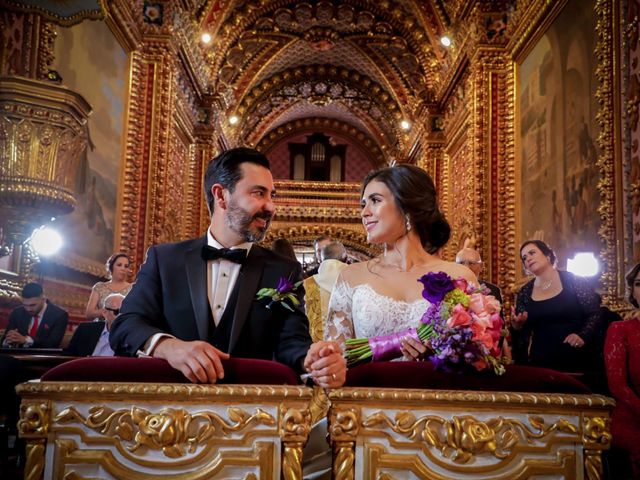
(383, 295)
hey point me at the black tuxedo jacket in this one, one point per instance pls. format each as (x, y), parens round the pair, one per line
(51, 330)
(170, 296)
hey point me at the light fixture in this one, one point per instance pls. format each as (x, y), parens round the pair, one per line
(405, 125)
(233, 119)
(45, 241)
(445, 41)
(206, 38)
(583, 264)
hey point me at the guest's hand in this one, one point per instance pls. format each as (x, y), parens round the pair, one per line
(518, 319)
(574, 340)
(14, 338)
(198, 361)
(412, 349)
(326, 364)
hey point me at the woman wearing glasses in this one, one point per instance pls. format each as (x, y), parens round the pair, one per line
(118, 269)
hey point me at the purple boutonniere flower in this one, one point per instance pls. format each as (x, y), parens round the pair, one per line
(436, 286)
(283, 294)
(285, 285)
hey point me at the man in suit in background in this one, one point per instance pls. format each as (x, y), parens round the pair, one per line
(194, 302)
(471, 258)
(37, 323)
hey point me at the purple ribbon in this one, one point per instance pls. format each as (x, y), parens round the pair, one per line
(388, 347)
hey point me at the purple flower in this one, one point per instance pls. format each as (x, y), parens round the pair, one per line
(285, 285)
(432, 315)
(436, 286)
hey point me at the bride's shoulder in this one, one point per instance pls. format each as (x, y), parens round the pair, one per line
(354, 273)
(455, 270)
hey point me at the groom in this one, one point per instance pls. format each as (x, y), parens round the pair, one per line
(194, 302)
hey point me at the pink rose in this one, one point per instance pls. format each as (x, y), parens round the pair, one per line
(459, 317)
(492, 305)
(476, 303)
(461, 283)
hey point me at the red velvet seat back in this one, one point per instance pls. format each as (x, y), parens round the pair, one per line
(154, 370)
(517, 378)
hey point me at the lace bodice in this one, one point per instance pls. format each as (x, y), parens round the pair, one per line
(359, 311)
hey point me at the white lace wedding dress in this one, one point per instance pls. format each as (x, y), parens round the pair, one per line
(359, 311)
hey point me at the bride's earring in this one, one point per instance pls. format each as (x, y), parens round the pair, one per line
(407, 223)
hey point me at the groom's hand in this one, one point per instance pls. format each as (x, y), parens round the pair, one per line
(198, 361)
(326, 364)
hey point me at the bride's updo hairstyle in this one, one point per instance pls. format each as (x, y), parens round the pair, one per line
(415, 194)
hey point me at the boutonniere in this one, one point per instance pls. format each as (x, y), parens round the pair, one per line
(282, 294)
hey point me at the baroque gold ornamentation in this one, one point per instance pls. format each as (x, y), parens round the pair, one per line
(464, 437)
(43, 127)
(175, 432)
(343, 428)
(34, 467)
(34, 419)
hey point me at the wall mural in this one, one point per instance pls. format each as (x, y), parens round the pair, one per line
(557, 135)
(91, 62)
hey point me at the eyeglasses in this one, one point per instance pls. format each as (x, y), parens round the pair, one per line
(115, 311)
(468, 263)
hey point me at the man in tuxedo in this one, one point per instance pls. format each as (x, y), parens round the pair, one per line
(92, 338)
(318, 244)
(471, 258)
(194, 302)
(37, 323)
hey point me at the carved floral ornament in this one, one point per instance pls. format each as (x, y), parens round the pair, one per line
(175, 432)
(463, 437)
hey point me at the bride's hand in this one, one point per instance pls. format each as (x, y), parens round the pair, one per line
(412, 349)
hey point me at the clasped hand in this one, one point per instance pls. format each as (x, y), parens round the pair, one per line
(326, 364)
(15, 338)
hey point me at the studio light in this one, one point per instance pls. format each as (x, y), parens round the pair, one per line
(233, 119)
(206, 38)
(583, 264)
(445, 41)
(405, 125)
(45, 241)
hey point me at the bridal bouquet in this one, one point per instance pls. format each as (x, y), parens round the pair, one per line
(461, 327)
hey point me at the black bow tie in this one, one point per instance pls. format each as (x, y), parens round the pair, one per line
(237, 255)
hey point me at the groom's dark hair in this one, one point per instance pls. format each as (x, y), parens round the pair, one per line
(225, 170)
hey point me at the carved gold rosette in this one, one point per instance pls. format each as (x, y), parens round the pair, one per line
(128, 430)
(443, 434)
(42, 137)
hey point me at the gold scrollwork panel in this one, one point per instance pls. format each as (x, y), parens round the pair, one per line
(70, 460)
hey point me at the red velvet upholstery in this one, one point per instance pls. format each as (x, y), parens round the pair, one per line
(517, 378)
(154, 370)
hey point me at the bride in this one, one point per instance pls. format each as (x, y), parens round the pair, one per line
(383, 295)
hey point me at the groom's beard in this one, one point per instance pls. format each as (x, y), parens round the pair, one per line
(240, 221)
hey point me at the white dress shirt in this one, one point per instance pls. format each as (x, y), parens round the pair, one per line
(222, 276)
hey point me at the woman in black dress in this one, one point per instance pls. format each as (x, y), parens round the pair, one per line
(557, 321)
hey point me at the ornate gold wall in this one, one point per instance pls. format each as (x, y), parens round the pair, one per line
(464, 121)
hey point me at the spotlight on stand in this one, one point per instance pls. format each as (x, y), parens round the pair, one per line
(45, 241)
(583, 264)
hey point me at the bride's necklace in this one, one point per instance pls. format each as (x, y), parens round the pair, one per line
(544, 286)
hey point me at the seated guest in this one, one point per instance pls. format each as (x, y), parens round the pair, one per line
(557, 317)
(118, 270)
(622, 359)
(471, 258)
(284, 248)
(37, 323)
(111, 309)
(318, 244)
(194, 302)
(318, 287)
